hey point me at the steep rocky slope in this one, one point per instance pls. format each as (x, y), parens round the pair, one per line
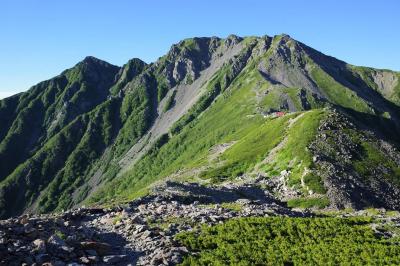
(317, 131)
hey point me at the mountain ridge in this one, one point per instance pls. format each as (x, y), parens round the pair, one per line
(93, 127)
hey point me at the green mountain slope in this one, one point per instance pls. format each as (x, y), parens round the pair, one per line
(320, 132)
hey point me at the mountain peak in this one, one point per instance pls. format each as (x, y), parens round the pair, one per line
(234, 37)
(284, 35)
(91, 60)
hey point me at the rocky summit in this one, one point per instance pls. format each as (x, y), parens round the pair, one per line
(218, 141)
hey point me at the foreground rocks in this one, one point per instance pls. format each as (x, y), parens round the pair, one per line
(54, 240)
(139, 233)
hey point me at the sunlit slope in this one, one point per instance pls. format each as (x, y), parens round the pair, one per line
(211, 110)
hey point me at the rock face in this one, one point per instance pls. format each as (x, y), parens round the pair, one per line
(338, 150)
(139, 233)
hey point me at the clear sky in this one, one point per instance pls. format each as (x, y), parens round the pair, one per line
(40, 38)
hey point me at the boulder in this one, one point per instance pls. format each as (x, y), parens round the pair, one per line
(39, 246)
(100, 247)
(114, 259)
(42, 258)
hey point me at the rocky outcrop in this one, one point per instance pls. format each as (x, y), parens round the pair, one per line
(346, 158)
(287, 65)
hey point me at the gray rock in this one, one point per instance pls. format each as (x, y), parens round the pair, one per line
(93, 258)
(91, 252)
(59, 247)
(59, 263)
(39, 246)
(56, 240)
(84, 260)
(146, 234)
(100, 248)
(114, 258)
(42, 258)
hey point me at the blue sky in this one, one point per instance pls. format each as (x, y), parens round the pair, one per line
(39, 39)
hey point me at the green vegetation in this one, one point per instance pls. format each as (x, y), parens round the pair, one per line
(276, 98)
(170, 102)
(217, 85)
(372, 211)
(189, 145)
(190, 44)
(67, 135)
(58, 163)
(189, 79)
(129, 71)
(232, 206)
(249, 150)
(162, 90)
(337, 93)
(371, 156)
(366, 75)
(7, 114)
(290, 241)
(203, 103)
(228, 108)
(396, 91)
(294, 156)
(272, 100)
(165, 222)
(308, 203)
(392, 213)
(60, 234)
(136, 116)
(314, 183)
(117, 219)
